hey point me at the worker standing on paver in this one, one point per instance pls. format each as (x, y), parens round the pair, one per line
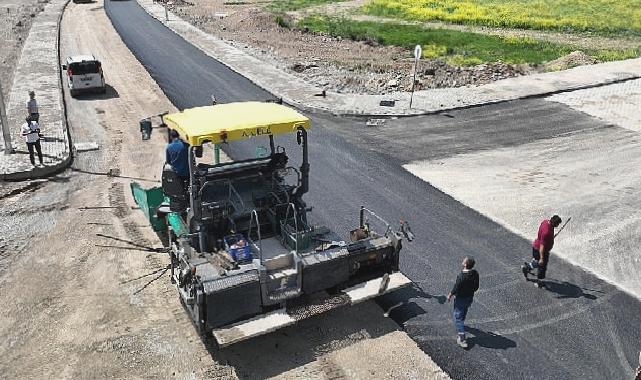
(541, 249)
(31, 133)
(467, 282)
(32, 107)
(177, 156)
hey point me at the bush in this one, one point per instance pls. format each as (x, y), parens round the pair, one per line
(283, 21)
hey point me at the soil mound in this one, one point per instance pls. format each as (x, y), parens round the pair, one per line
(574, 59)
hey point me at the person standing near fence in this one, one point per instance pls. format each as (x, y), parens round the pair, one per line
(32, 107)
(31, 133)
(467, 283)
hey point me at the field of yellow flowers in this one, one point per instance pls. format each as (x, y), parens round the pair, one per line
(598, 16)
(455, 47)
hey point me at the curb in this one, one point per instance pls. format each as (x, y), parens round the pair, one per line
(622, 77)
(521, 97)
(47, 171)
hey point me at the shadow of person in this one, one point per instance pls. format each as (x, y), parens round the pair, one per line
(44, 155)
(567, 290)
(400, 305)
(440, 299)
(488, 339)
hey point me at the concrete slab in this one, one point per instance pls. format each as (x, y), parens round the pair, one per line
(615, 104)
(85, 146)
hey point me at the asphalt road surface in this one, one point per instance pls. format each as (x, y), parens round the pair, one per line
(581, 327)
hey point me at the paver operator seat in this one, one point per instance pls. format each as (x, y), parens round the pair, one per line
(173, 188)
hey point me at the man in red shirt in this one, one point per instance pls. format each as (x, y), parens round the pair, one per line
(541, 248)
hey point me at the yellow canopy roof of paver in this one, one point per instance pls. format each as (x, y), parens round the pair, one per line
(234, 121)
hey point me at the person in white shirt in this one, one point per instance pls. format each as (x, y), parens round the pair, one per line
(32, 107)
(31, 133)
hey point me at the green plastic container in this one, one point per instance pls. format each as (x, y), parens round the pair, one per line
(149, 200)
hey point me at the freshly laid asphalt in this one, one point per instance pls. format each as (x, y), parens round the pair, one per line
(580, 327)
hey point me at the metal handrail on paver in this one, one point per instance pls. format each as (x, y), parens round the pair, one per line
(388, 228)
(249, 234)
(291, 205)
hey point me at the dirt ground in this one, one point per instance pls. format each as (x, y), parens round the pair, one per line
(335, 64)
(358, 67)
(15, 22)
(80, 295)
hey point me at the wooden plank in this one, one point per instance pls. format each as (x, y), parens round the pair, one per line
(370, 289)
(253, 327)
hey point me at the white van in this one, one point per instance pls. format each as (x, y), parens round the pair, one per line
(84, 74)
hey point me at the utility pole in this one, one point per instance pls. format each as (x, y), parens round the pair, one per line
(418, 52)
(4, 124)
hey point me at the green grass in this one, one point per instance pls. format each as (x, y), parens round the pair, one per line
(281, 6)
(455, 47)
(607, 17)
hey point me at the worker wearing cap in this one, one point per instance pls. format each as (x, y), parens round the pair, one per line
(541, 248)
(32, 107)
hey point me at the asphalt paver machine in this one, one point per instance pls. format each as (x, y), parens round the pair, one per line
(244, 258)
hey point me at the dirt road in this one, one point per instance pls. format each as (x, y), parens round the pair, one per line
(75, 280)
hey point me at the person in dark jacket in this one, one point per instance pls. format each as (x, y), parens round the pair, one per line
(177, 155)
(467, 282)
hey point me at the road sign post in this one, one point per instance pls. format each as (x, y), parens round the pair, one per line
(4, 124)
(418, 52)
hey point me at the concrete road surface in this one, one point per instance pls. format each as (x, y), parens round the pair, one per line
(581, 327)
